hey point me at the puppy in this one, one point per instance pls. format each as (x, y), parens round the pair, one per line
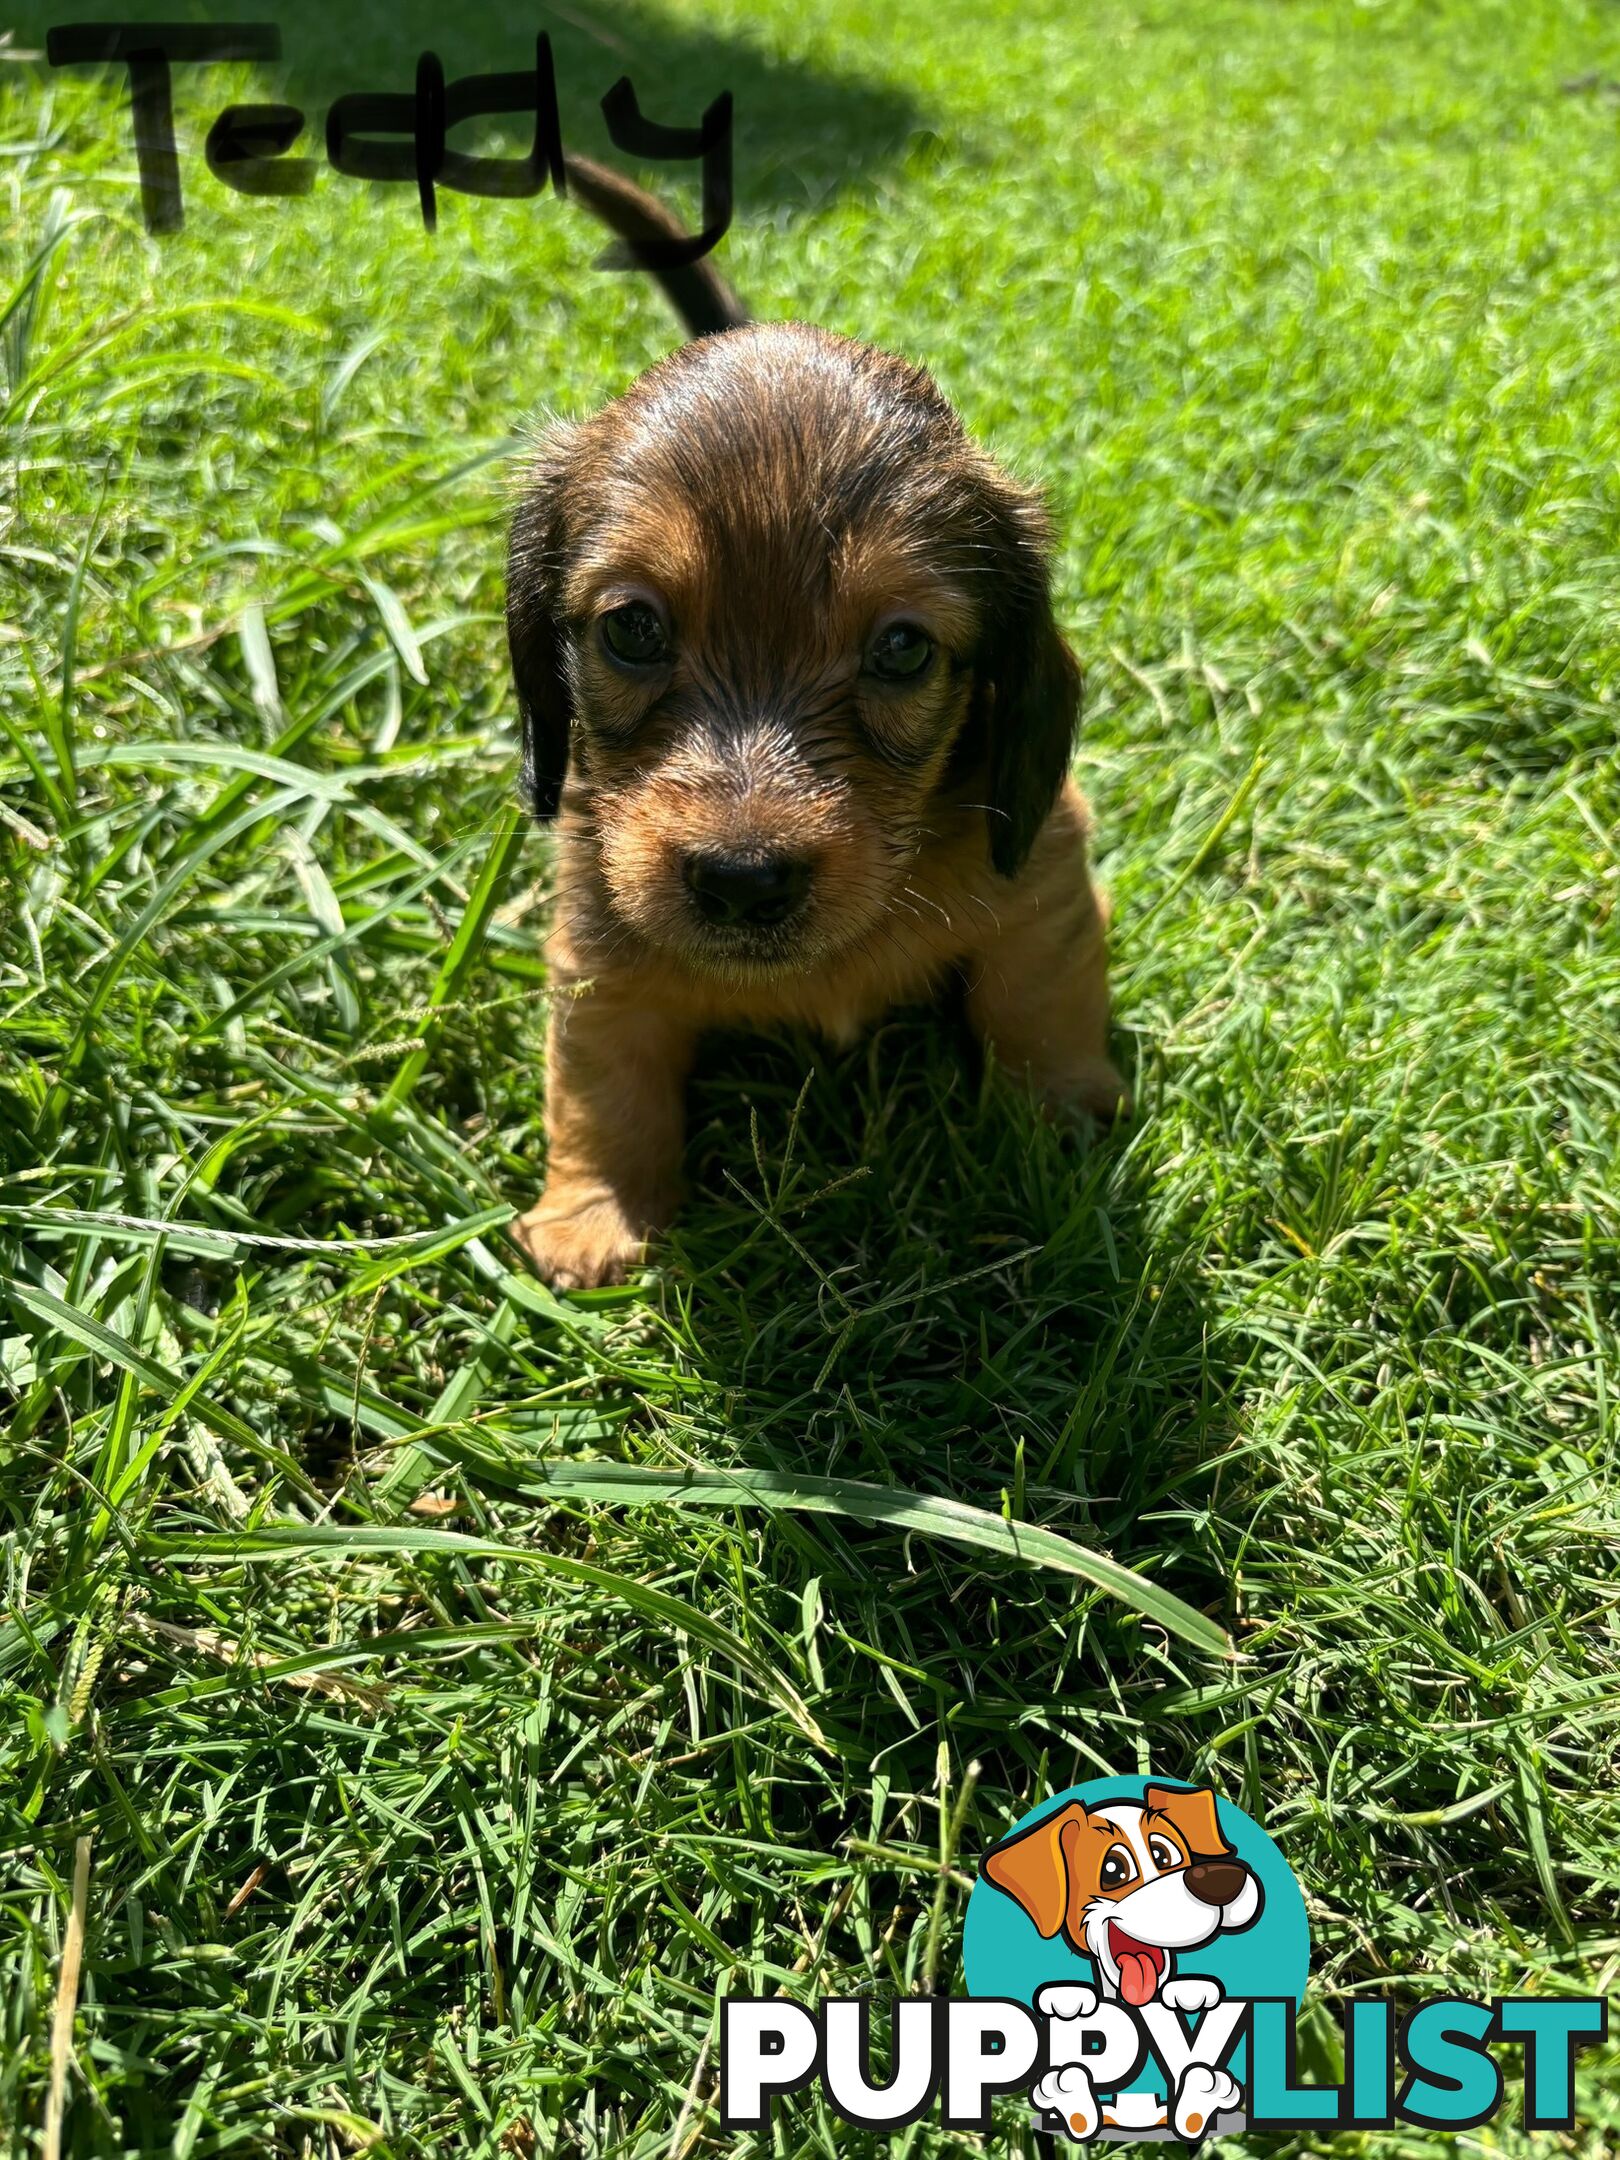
(1128, 1885)
(789, 680)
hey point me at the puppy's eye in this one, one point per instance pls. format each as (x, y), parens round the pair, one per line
(1164, 1853)
(1117, 1868)
(634, 636)
(899, 652)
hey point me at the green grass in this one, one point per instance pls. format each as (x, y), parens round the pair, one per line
(326, 1568)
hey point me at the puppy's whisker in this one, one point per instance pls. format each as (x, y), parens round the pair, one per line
(928, 901)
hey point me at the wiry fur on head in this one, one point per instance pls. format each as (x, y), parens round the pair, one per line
(780, 492)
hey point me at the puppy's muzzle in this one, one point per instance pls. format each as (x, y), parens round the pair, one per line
(1216, 1882)
(746, 892)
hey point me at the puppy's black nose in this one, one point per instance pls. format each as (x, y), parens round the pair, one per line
(752, 890)
(1216, 1882)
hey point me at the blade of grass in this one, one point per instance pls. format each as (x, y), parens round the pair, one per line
(464, 950)
(878, 1507)
(275, 1541)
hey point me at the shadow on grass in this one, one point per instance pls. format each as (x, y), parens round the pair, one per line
(798, 130)
(900, 1274)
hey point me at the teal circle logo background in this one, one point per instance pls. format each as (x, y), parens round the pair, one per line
(1004, 1954)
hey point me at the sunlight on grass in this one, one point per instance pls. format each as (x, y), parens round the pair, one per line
(463, 1686)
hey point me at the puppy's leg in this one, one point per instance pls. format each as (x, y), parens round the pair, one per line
(614, 1119)
(1038, 992)
(1203, 2093)
(1066, 2099)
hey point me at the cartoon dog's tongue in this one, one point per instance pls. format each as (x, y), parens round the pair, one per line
(1139, 1966)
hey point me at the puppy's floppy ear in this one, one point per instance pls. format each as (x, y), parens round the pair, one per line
(1032, 1866)
(535, 561)
(1193, 1814)
(1028, 683)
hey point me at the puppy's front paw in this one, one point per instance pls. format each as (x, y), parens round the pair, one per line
(1090, 1086)
(1191, 1994)
(1066, 1999)
(1203, 2094)
(580, 1243)
(1066, 2099)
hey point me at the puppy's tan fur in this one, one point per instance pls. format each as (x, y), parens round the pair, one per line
(1054, 1871)
(778, 495)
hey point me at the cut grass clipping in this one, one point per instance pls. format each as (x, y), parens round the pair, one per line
(425, 1695)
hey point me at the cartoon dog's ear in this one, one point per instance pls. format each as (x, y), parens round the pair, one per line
(1193, 1814)
(535, 561)
(1032, 1866)
(1028, 683)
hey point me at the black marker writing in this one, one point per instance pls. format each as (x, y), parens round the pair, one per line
(247, 147)
(147, 49)
(629, 130)
(389, 135)
(424, 121)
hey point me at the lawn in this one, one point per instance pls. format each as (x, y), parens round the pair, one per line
(439, 1775)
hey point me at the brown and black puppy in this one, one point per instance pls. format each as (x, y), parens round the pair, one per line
(789, 679)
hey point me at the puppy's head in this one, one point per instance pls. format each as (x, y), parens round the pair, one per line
(1129, 1884)
(766, 611)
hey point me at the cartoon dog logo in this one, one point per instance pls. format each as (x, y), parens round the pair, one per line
(1131, 1885)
